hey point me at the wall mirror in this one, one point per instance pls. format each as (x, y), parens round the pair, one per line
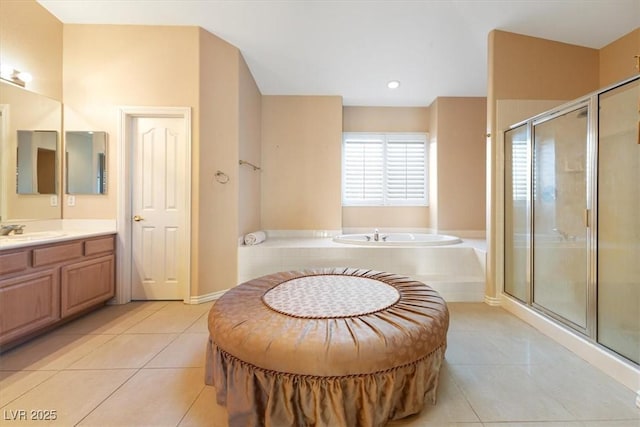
(30, 164)
(85, 162)
(37, 162)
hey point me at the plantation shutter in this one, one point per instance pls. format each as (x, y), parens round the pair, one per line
(384, 169)
(519, 169)
(363, 170)
(406, 171)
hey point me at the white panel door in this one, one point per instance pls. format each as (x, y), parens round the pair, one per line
(159, 266)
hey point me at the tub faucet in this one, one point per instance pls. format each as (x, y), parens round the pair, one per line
(563, 234)
(376, 235)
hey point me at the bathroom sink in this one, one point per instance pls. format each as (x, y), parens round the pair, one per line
(34, 236)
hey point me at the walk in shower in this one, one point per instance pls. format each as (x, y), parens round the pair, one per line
(572, 216)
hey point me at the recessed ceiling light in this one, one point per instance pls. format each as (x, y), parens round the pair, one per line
(393, 84)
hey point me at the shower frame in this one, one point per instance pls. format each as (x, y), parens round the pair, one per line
(589, 332)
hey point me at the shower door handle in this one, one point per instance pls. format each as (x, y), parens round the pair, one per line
(586, 217)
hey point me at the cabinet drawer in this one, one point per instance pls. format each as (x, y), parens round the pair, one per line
(87, 283)
(96, 246)
(28, 303)
(55, 254)
(12, 263)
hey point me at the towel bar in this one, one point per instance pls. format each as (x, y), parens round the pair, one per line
(255, 168)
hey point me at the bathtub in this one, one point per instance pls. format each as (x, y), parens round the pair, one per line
(456, 271)
(398, 239)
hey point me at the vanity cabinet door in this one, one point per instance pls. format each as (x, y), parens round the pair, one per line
(86, 283)
(28, 303)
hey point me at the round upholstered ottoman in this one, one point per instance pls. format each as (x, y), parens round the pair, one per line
(326, 347)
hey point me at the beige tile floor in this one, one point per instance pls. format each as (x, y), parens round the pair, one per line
(142, 364)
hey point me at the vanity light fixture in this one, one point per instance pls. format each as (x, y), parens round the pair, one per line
(393, 84)
(11, 75)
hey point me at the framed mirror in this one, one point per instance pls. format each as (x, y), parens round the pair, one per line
(85, 162)
(30, 172)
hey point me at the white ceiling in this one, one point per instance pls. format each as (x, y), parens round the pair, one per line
(353, 48)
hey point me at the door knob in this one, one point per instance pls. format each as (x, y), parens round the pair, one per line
(137, 218)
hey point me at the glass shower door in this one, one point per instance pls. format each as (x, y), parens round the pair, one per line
(560, 256)
(516, 218)
(619, 221)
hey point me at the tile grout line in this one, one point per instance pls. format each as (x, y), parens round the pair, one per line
(133, 374)
(192, 404)
(160, 351)
(32, 388)
(466, 398)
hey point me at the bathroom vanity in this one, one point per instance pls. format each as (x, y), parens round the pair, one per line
(45, 283)
(51, 269)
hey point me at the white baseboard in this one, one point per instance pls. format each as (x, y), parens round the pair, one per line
(492, 301)
(206, 298)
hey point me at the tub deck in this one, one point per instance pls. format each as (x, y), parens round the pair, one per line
(457, 272)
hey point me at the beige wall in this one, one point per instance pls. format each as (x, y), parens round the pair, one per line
(456, 128)
(215, 207)
(385, 119)
(301, 149)
(617, 60)
(31, 40)
(410, 217)
(249, 149)
(461, 163)
(531, 68)
(141, 72)
(108, 66)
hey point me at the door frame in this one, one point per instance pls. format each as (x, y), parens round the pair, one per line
(123, 224)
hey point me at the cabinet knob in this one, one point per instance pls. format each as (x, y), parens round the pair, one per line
(137, 218)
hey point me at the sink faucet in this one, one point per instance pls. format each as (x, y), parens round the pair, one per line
(5, 230)
(376, 235)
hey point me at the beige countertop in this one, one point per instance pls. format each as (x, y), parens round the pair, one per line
(45, 232)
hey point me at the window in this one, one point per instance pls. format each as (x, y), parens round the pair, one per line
(543, 159)
(519, 169)
(384, 169)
